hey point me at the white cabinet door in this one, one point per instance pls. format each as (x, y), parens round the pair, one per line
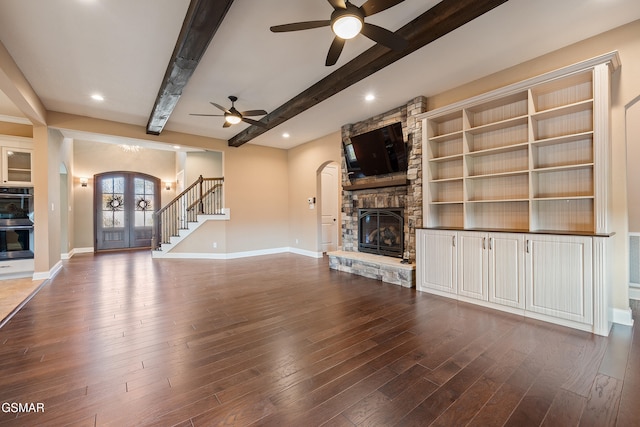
(472, 265)
(559, 277)
(436, 260)
(506, 269)
(16, 166)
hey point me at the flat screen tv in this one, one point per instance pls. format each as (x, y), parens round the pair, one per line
(377, 152)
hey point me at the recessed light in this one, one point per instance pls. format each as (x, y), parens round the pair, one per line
(97, 97)
(286, 135)
(369, 97)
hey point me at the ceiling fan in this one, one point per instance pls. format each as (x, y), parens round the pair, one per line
(233, 116)
(347, 21)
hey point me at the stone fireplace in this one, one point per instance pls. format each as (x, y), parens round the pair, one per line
(400, 192)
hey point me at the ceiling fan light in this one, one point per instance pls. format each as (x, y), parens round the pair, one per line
(347, 26)
(232, 119)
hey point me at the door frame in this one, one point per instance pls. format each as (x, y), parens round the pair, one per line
(97, 202)
(336, 192)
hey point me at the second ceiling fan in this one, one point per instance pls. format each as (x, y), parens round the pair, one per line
(232, 116)
(347, 21)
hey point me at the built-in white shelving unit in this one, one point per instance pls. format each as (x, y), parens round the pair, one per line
(524, 158)
(531, 158)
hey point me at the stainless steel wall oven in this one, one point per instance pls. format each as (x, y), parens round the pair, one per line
(16, 222)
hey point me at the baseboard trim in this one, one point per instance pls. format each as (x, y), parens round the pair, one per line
(623, 316)
(83, 250)
(44, 275)
(305, 252)
(236, 255)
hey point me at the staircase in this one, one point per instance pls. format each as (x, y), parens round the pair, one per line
(201, 201)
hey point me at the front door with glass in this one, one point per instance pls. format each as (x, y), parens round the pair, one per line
(124, 206)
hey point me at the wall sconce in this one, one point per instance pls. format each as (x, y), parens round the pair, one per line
(167, 185)
(84, 182)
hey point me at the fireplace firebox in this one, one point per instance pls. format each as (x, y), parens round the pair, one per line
(381, 231)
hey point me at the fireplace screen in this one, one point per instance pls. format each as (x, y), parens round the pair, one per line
(381, 231)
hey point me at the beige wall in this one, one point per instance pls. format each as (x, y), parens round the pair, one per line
(305, 163)
(257, 194)
(205, 163)
(49, 154)
(202, 242)
(67, 208)
(16, 129)
(625, 88)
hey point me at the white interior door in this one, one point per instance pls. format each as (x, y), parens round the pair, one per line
(329, 206)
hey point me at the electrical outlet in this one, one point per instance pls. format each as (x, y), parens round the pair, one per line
(215, 245)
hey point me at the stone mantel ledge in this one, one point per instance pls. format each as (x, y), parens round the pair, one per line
(388, 269)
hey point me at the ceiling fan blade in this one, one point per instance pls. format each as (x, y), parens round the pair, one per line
(334, 51)
(338, 4)
(254, 122)
(384, 37)
(253, 113)
(297, 26)
(371, 7)
(220, 107)
(226, 124)
(206, 115)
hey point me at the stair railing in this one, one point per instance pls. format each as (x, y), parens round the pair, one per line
(203, 197)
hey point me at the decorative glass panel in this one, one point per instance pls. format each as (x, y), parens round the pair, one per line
(148, 187)
(138, 184)
(107, 186)
(113, 202)
(139, 218)
(118, 185)
(118, 219)
(107, 219)
(148, 218)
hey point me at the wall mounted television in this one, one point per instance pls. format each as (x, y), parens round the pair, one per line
(380, 151)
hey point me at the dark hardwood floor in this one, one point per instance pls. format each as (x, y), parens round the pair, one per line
(119, 339)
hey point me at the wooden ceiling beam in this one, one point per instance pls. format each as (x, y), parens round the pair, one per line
(201, 22)
(441, 19)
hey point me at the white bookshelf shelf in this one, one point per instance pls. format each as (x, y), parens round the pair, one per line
(536, 152)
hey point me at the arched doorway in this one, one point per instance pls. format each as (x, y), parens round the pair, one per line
(329, 207)
(124, 203)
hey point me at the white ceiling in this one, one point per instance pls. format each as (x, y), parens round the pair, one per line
(69, 49)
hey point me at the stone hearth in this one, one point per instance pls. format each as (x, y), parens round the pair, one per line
(397, 190)
(387, 269)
